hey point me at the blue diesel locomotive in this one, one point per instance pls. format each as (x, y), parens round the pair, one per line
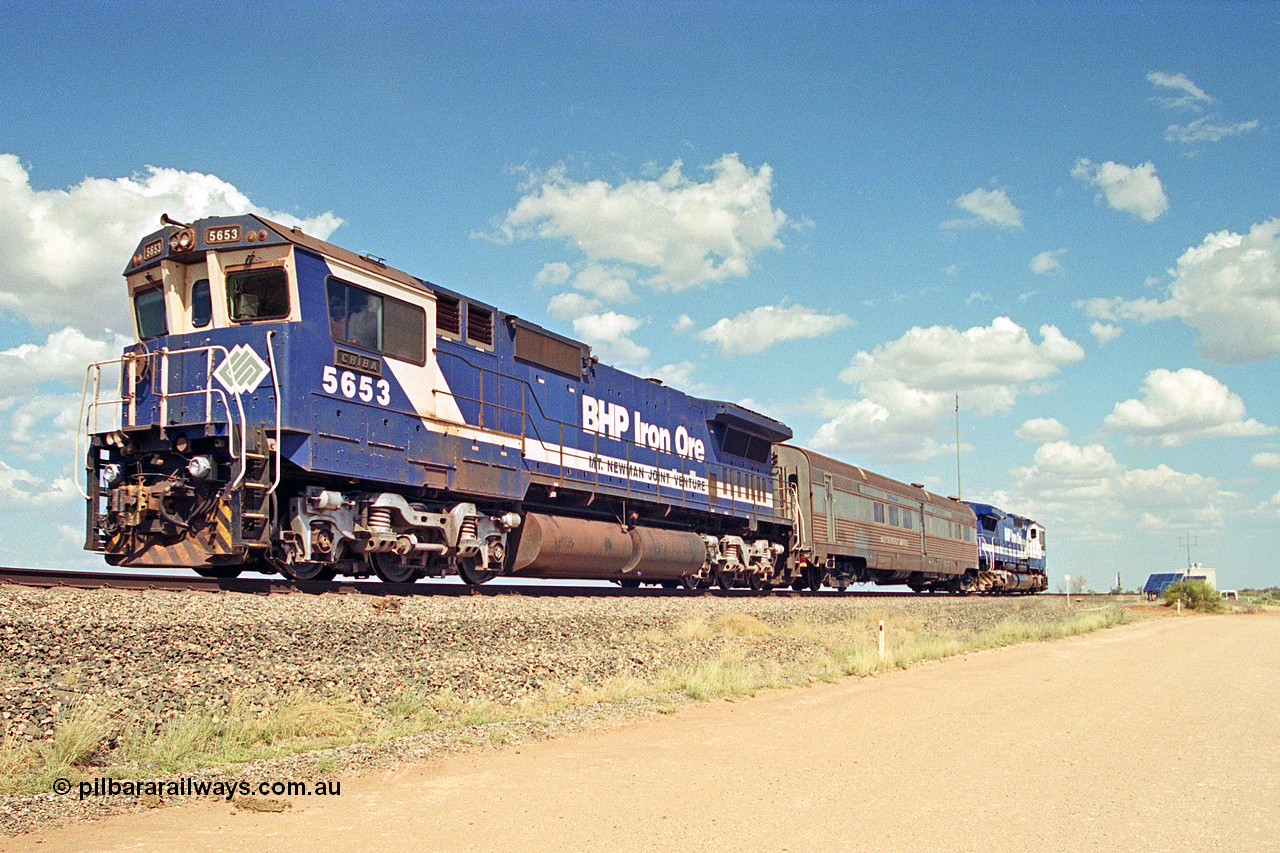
(1011, 552)
(292, 407)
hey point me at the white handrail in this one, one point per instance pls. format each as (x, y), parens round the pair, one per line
(89, 409)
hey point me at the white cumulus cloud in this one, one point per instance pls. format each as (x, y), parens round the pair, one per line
(1266, 461)
(761, 328)
(683, 233)
(986, 364)
(64, 249)
(1089, 488)
(987, 207)
(680, 375)
(571, 304)
(556, 272)
(22, 491)
(1047, 262)
(1105, 333)
(1042, 429)
(607, 282)
(1132, 189)
(63, 356)
(609, 334)
(1227, 288)
(1180, 406)
(907, 388)
(683, 325)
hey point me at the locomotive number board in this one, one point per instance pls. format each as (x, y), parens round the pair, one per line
(222, 234)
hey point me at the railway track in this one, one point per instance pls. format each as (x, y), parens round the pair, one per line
(271, 585)
(265, 585)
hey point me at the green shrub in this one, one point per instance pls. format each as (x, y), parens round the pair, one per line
(1195, 595)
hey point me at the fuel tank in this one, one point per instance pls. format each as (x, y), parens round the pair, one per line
(556, 547)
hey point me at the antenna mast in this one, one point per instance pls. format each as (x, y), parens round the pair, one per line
(1189, 540)
(959, 487)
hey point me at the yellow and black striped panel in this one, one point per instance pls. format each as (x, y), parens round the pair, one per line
(191, 551)
(219, 533)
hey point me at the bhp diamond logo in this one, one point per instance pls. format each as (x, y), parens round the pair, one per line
(242, 370)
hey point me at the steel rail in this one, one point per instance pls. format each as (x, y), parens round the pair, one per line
(53, 578)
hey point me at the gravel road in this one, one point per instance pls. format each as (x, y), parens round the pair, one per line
(1161, 735)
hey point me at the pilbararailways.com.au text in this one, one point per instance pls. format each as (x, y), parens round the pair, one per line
(227, 789)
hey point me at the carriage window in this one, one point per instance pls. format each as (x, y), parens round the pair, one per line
(201, 304)
(893, 516)
(377, 323)
(880, 513)
(261, 294)
(148, 307)
(907, 515)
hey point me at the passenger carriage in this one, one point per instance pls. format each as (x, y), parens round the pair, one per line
(855, 526)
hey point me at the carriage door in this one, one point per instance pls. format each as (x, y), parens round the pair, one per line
(831, 509)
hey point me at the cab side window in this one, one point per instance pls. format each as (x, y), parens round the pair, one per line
(377, 323)
(201, 304)
(355, 315)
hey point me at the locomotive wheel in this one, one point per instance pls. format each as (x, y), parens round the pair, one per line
(798, 583)
(755, 582)
(629, 583)
(309, 571)
(391, 569)
(469, 570)
(691, 582)
(725, 580)
(669, 584)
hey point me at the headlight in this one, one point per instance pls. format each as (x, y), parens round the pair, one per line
(183, 241)
(200, 467)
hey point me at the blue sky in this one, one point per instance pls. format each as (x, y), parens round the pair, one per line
(842, 215)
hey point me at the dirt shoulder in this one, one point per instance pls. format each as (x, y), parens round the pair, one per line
(1154, 736)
